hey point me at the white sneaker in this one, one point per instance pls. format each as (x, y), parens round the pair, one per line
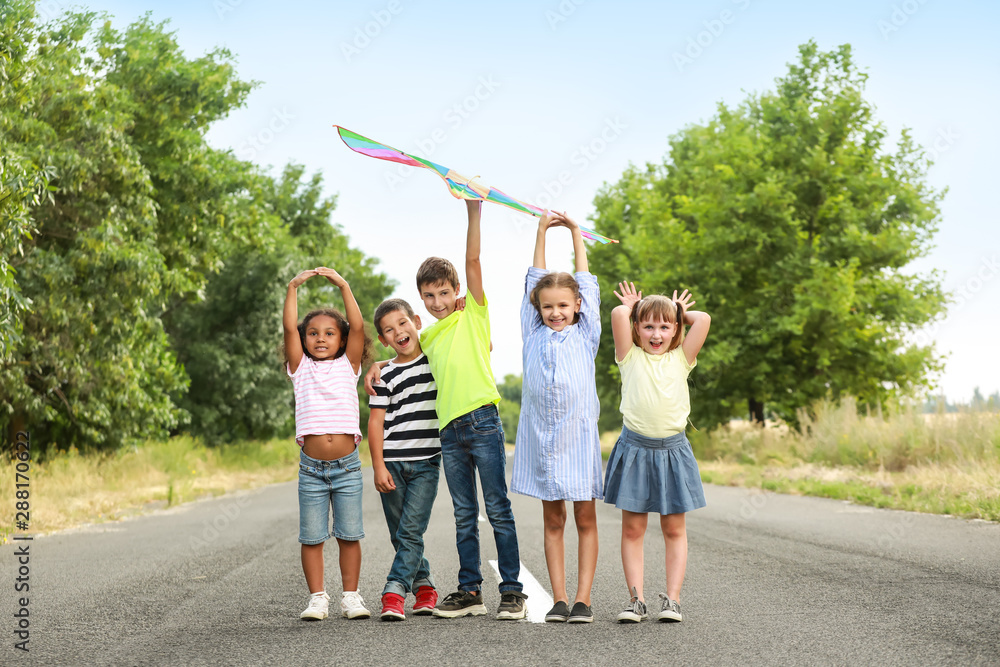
(353, 606)
(318, 609)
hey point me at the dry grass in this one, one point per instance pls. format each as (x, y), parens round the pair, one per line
(946, 464)
(71, 489)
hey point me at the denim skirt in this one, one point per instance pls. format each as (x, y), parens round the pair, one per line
(653, 475)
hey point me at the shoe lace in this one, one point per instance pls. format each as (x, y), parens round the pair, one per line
(353, 599)
(635, 604)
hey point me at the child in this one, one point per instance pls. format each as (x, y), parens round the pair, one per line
(458, 347)
(652, 467)
(406, 457)
(324, 355)
(558, 453)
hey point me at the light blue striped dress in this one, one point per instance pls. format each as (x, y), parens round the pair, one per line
(558, 451)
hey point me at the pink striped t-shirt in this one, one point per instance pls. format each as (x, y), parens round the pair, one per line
(326, 398)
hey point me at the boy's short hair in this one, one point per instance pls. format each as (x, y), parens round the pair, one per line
(388, 306)
(437, 270)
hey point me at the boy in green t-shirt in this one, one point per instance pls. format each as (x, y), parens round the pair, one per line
(458, 349)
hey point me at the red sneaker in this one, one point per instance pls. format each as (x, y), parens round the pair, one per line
(427, 599)
(392, 607)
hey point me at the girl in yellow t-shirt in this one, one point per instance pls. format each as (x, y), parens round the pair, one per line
(652, 467)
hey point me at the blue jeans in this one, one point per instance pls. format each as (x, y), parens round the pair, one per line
(475, 440)
(407, 513)
(324, 485)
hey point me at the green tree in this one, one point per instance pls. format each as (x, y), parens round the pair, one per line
(793, 225)
(230, 342)
(139, 214)
(510, 406)
(21, 187)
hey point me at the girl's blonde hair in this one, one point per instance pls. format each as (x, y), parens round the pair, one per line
(658, 307)
(555, 279)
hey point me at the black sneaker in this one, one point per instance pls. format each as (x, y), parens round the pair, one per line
(559, 613)
(634, 611)
(581, 614)
(512, 606)
(670, 610)
(460, 603)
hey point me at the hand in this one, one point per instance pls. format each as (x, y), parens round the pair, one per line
(301, 278)
(372, 378)
(383, 481)
(547, 219)
(685, 300)
(568, 222)
(331, 275)
(629, 296)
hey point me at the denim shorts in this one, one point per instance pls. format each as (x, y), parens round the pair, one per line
(324, 485)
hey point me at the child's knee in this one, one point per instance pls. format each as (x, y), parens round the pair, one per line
(554, 515)
(674, 527)
(555, 521)
(585, 516)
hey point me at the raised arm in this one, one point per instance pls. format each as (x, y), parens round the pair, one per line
(473, 267)
(579, 247)
(290, 320)
(621, 319)
(356, 338)
(699, 324)
(544, 223)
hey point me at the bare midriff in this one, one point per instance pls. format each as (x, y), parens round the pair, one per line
(328, 446)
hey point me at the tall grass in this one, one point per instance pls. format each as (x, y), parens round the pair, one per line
(944, 463)
(72, 488)
(838, 435)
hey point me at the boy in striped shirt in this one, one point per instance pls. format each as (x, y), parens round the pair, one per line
(406, 456)
(458, 346)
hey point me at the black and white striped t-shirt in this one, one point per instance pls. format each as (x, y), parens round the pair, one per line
(407, 394)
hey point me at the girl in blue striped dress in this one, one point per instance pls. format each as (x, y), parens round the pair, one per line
(558, 452)
(652, 467)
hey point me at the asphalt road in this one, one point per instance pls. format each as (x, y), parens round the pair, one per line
(771, 579)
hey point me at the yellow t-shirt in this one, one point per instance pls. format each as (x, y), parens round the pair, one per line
(458, 349)
(655, 399)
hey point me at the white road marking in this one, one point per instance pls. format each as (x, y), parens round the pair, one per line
(539, 601)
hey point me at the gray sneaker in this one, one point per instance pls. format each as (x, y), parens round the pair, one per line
(670, 610)
(581, 614)
(634, 611)
(512, 606)
(559, 613)
(460, 603)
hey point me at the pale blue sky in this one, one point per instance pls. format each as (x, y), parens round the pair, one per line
(512, 91)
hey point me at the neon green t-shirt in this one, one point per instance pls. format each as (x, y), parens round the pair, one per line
(458, 349)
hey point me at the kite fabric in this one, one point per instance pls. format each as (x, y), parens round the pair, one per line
(459, 186)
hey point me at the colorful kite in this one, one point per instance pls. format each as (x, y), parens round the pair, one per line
(459, 186)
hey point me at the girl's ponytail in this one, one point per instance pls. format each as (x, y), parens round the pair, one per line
(679, 334)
